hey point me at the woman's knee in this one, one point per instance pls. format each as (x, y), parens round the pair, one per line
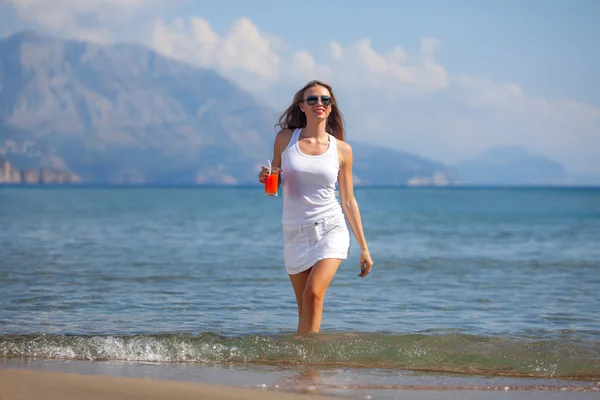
(312, 295)
(321, 275)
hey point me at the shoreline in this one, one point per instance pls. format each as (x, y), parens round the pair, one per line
(24, 382)
(19, 384)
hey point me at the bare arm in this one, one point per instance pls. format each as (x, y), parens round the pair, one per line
(350, 206)
(281, 141)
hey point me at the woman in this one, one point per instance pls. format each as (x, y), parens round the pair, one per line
(313, 157)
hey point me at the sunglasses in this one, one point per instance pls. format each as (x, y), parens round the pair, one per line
(312, 100)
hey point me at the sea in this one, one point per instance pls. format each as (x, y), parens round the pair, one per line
(481, 290)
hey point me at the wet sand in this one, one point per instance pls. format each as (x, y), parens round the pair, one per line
(16, 384)
(26, 384)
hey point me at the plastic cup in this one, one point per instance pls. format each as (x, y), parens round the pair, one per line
(272, 182)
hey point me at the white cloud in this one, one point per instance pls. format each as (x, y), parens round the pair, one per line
(482, 92)
(83, 19)
(474, 114)
(243, 52)
(402, 99)
(408, 101)
(244, 47)
(361, 64)
(246, 51)
(303, 63)
(336, 50)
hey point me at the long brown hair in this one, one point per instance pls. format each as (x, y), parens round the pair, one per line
(294, 118)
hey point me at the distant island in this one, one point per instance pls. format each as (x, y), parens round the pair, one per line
(43, 176)
(122, 114)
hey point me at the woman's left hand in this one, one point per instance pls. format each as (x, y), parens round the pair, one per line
(366, 263)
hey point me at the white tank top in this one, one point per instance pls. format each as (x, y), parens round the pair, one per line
(308, 183)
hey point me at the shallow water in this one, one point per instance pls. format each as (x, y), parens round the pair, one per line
(500, 282)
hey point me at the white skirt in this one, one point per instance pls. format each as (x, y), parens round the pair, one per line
(304, 245)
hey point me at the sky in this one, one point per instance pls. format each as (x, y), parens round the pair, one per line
(443, 79)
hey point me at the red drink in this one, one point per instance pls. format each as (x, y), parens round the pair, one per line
(272, 182)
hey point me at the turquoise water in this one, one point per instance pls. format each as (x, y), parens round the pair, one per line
(496, 282)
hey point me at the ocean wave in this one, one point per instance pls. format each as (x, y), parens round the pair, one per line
(448, 352)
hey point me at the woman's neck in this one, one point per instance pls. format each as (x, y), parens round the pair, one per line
(316, 130)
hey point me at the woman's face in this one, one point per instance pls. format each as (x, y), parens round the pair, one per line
(316, 104)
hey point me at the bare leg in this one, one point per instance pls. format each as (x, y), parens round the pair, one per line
(313, 295)
(299, 283)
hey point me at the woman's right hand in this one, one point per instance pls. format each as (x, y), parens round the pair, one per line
(262, 175)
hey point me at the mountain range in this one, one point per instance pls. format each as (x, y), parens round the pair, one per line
(512, 165)
(505, 165)
(123, 114)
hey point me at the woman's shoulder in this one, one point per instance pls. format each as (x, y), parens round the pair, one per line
(283, 138)
(344, 148)
(344, 151)
(284, 134)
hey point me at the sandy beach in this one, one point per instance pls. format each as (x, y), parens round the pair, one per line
(16, 384)
(26, 384)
